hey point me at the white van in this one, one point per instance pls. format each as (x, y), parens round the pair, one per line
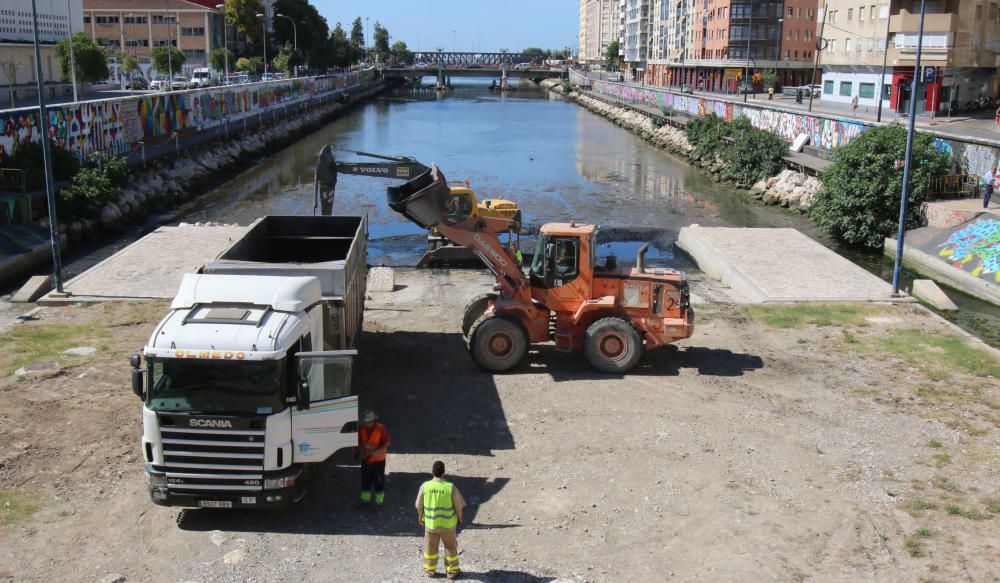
(202, 78)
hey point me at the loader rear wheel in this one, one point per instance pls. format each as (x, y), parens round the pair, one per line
(474, 310)
(612, 345)
(497, 344)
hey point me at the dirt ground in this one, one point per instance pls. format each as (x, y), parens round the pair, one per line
(803, 443)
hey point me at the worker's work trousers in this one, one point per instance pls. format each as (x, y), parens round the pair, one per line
(432, 539)
(373, 476)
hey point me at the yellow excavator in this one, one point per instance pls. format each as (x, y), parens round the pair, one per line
(461, 203)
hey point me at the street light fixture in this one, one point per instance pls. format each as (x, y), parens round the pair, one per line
(72, 58)
(746, 70)
(777, 49)
(263, 27)
(225, 39)
(295, 31)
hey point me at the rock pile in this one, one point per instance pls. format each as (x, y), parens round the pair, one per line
(789, 189)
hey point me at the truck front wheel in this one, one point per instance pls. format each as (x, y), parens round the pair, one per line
(612, 345)
(474, 310)
(496, 343)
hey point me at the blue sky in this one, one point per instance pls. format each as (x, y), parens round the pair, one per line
(478, 25)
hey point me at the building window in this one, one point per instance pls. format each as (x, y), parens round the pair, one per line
(790, 12)
(861, 14)
(883, 11)
(136, 20)
(847, 45)
(828, 87)
(160, 19)
(86, 20)
(850, 14)
(192, 31)
(107, 20)
(866, 90)
(845, 88)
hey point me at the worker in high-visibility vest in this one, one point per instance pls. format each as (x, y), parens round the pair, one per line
(373, 443)
(439, 509)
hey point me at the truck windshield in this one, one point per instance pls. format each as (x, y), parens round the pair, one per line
(538, 261)
(214, 386)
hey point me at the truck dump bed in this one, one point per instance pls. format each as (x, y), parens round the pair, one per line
(332, 249)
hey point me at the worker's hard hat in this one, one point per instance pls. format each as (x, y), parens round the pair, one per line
(368, 416)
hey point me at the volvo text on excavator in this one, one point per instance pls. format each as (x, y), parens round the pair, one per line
(611, 314)
(461, 201)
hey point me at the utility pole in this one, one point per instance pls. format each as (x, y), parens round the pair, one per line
(909, 153)
(263, 28)
(225, 39)
(50, 193)
(820, 47)
(885, 56)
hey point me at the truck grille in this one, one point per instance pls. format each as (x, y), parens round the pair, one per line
(199, 461)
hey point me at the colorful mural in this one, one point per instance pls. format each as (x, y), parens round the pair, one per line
(975, 247)
(118, 125)
(828, 133)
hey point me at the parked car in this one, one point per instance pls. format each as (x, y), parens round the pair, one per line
(180, 82)
(267, 77)
(159, 83)
(474, 66)
(137, 82)
(522, 67)
(816, 90)
(421, 66)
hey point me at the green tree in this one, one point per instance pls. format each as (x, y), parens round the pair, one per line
(287, 58)
(859, 201)
(611, 57)
(753, 155)
(243, 15)
(311, 27)
(91, 60)
(534, 52)
(342, 51)
(357, 33)
(381, 41)
(243, 64)
(220, 57)
(402, 53)
(166, 58)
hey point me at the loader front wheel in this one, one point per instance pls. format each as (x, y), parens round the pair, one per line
(612, 345)
(497, 344)
(474, 310)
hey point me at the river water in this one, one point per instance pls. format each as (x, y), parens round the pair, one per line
(557, 160)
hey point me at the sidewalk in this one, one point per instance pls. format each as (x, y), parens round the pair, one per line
(978, 126)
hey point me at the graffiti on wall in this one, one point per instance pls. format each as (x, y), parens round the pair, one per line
(979, 159)
(118, 125)
(825, 133)
(975, 248)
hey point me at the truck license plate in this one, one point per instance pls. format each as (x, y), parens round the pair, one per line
(215, 504)
(248, 500)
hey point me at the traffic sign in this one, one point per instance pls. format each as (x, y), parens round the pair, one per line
(929, 74)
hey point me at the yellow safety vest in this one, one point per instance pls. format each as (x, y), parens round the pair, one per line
(439, 511)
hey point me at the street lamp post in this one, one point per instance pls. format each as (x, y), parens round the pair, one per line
(777, 51)
(50, 194)
(295, 31)
(225, 39)
(263, 27)
(170, 53)
(746, 70)
(72, 58)
(453, 41)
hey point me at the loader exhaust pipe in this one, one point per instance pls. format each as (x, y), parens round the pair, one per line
(640, 258)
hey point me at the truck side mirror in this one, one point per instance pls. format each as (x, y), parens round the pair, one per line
(137, 383)
(302, 396)
(135, 360)
(549, 251)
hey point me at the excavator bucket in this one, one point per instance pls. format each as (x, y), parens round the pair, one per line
(423, 199)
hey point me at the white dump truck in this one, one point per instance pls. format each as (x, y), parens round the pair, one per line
(248, 382)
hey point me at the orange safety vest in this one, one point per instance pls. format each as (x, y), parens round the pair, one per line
(370, 440)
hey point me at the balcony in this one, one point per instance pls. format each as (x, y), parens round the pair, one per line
(910, 23)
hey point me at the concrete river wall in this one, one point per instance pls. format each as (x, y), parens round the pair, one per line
(143, 127)
(825, 131)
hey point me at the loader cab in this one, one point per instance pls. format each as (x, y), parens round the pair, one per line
(461, 204)
(563, 264)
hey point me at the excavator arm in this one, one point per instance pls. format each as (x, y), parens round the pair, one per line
(328, 168)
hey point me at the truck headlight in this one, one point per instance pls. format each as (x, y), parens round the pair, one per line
(278, 483)
(157, 480)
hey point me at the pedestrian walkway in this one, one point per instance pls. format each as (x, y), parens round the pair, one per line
(779, 265)
(152, 267)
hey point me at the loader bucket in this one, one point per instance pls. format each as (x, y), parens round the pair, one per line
(422, 199)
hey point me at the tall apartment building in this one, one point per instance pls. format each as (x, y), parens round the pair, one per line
(714, 44)
(56, 18)
(634, 36)
(598, 28)
(961, 53)
(135, 27)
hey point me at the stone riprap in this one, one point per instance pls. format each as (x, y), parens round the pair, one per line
(789, 189)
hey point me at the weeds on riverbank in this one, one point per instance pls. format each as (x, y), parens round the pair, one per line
(749, 154)
(16, 507)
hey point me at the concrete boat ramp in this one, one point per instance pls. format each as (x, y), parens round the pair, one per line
(151, 268)
(758, 265)
(779, 265)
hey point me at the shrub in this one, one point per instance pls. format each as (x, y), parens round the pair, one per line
(753, 155)
(28, 158)
(93, 187)
(859, 201)
(659, 122)
(707, 134)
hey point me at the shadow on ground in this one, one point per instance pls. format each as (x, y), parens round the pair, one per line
(332, 507)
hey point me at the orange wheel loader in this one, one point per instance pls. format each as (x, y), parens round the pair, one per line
(566, 297)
